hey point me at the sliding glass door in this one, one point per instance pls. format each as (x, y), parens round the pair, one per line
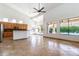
(70, 26)
(73, 26)
(64, 27)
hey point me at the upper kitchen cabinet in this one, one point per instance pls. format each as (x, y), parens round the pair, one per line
(14, 26)
(8, 26)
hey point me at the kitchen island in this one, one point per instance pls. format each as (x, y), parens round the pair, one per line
(19, 35)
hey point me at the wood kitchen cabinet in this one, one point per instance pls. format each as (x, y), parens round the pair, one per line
(15, 26)
(8, 26)
(8, 34)
(22, 26)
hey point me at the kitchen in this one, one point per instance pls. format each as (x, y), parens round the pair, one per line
(12, 31)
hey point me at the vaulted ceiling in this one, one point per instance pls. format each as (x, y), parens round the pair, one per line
(27, 8)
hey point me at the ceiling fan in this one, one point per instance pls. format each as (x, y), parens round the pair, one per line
(39, 10)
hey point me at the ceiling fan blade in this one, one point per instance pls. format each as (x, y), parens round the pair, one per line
(42, 8)
(43, 11)
(35, 9)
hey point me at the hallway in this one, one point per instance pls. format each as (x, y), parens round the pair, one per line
(36, 45)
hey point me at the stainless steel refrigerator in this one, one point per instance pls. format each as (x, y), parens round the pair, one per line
(1, 32)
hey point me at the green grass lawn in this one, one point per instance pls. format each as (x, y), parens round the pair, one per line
(71, 29)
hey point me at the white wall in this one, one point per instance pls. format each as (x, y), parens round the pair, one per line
(66, 11)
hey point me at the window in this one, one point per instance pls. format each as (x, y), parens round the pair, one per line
(13, 21)
(5, 19)
(70, 26)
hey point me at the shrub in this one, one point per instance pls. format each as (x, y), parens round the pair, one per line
(70, 29)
